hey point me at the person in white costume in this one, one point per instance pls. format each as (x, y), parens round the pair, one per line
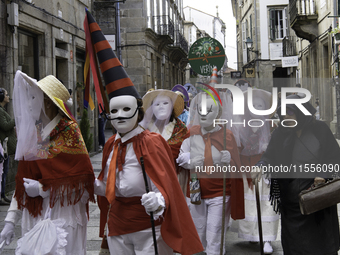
(55, 176)
(195, 153)
(254, 142)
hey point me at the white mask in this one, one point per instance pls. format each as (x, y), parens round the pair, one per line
(212, 112)
(123, 111)
(162, 107)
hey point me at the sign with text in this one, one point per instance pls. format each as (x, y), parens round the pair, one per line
(112, 41)
(290, 61)
(204, 54)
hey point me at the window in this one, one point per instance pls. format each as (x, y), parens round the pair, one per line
(28, 53)
(278, 23)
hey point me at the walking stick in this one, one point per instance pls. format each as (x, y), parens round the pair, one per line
(259, 222)
(224, 188)
(151, 213)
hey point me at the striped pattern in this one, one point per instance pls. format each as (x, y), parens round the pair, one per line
(213, 78)
(117, 82)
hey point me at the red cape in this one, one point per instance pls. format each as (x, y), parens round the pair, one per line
(177, 229)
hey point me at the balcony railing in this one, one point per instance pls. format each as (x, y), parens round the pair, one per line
(162, 25)
(180, 41)
(301, 7)
(289, 46)
(304, 19)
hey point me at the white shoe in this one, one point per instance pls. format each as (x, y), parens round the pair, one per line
(267, 248)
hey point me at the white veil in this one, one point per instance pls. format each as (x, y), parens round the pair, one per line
(28, 104)
(254, 143)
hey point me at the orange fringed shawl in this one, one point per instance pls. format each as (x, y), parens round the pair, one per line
(64, 168)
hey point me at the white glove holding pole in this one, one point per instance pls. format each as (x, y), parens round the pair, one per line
(7, 234)
(225, 157)
(256, 174)
(151, 201)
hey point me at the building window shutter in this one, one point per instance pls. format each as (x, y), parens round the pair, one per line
(272, 24)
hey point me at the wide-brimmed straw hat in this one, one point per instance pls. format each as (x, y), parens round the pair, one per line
(177, 101)
(56, 91)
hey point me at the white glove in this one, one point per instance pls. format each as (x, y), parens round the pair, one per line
(150, 201)
(264, 146)
(99, 188)
(184, 158)
(85, 197)
(225, 157)
(7, 233)
(31, 187)
(197, 161)
(256, 174)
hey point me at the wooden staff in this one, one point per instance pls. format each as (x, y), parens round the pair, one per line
(259, 222)
(224, 190)
(151, 213)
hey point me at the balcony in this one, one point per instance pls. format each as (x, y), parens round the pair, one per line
(163, 26)
(289, 46)
(181, 42)
(303, 18)
(179, 49)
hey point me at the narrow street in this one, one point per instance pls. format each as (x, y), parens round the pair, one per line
(234, 245)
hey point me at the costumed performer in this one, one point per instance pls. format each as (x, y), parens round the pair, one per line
(121, 179)
(204, 150)
(301, 142)
(254, 142)
(55, 176)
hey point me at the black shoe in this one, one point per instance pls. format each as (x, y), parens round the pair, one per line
(6, 199)
(2, 202)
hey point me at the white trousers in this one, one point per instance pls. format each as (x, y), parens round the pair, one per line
(138, 243)
(208, 221)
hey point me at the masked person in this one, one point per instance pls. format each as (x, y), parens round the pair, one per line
(298, 142)
(162, 108)
(204, 150)
(121, 180)
(254, 138)
(55, 176)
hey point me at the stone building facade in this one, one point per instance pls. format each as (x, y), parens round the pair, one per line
(152, 47)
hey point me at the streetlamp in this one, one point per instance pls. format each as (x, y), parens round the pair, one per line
(249, 45)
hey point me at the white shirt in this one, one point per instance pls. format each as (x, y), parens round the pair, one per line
(129, 181)
(195, 145)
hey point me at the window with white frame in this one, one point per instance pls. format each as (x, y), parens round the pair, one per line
(278, 23)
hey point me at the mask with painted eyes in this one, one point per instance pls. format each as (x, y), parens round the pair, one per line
(162, 107)
(123, 113)
(212, 113)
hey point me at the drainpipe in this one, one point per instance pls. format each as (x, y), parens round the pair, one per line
(256, 44)
(119, 50)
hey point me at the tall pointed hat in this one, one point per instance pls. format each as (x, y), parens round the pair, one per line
(213, 77)
(117, 82)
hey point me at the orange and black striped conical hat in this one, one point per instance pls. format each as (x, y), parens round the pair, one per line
(117, 82)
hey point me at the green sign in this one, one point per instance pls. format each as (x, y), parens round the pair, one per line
(206, 53)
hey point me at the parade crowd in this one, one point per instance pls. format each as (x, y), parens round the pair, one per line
(151, 199)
